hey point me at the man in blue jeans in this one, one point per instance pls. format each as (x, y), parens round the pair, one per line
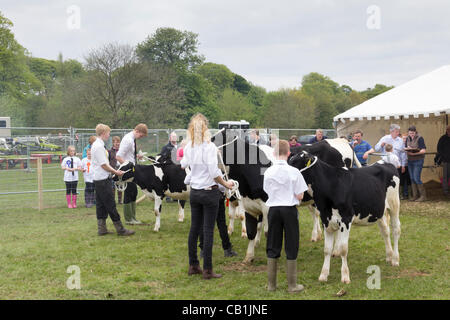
(415, 150)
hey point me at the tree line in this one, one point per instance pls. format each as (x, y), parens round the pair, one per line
(162, 82)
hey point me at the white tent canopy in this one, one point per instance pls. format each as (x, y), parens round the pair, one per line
(426, 95)
(423, 102)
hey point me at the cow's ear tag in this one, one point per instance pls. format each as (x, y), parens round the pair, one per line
(309, 163)
(133, 169)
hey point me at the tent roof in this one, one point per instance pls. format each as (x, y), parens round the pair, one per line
(424, 95)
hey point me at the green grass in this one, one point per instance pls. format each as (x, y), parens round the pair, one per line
(36, 248)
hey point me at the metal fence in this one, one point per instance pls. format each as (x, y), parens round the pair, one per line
(20, 152)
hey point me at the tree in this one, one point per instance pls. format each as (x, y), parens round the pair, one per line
(241, 85)
(219, 75)
(234, 107)
(114, 80)
(171, 47)
(16, 79)
(369, 93)
(288, 108)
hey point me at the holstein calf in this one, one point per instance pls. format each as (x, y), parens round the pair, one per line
(356, 195)
(157, 181)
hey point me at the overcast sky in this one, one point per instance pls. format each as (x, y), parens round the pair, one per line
(271, 43)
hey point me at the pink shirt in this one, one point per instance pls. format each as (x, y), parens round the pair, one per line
(179, 154)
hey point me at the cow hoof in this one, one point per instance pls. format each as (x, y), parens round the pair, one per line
(244, 235)
(323, 278)
(345, 280)
(248, 260)
(180, 219)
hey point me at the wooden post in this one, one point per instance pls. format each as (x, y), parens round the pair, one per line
(40, 186)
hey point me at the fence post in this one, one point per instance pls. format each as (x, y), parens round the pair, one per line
(40, 185)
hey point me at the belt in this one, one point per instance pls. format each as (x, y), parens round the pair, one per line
(208, 188)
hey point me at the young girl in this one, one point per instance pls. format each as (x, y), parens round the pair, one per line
(88, 174)
(71, 165)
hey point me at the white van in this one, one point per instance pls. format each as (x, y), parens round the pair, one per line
(5, 122)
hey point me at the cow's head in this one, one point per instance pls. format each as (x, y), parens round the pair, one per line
(128, 176)
(302, 160)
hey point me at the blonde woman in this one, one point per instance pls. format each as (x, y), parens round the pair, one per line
(71, 165)
(200, 154)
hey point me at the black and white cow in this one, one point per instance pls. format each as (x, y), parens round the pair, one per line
(335, 152)
(163, 178)
(359, 196)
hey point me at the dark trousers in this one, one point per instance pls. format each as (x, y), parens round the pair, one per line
(89, 193)
(221, 225)
(405, 180)
(204, 207)
(71, 187)
(104, 198)
(131, 193)
(445, 175)
(283, 219)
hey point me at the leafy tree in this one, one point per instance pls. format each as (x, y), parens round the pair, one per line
(171, 47)
(219, 75)
(15, 77)
(369, 93)
(241, 85)
(234, 107)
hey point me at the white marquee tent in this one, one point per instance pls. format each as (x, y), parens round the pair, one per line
(424, 102)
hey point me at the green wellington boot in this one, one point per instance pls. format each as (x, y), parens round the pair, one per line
(128, 213)
(272, 274)
(291, 270)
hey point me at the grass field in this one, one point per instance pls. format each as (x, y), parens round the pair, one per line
(36, 248)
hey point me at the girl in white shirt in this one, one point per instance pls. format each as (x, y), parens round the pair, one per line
(71, 165)
(88, 174)
(200, 154)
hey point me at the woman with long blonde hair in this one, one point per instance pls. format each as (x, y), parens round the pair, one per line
(200, 154)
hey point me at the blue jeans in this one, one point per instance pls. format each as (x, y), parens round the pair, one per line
(415, 170)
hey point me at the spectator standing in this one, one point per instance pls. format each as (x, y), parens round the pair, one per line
(89, 146)
(361, 147)
(390, 157)
(318, 137)
(169, 150)
(71, 165)
(443, 149)
(88, 174)
(415, 150)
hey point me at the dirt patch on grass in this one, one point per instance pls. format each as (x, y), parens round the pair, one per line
(244, 267)
(409, 274)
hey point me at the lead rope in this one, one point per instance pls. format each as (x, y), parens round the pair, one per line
(235, 190)
(309, 166)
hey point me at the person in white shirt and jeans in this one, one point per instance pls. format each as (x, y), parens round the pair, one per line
(104, 196)
(200, 154)
(284, 186)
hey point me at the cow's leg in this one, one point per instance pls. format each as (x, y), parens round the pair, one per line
(316, 234)
(328, 247)
(158, 203)
(231, 215)
(241, 214)
(383, 223)
(394, 212)
(181, 204)
(337, 244)
(251, 223)
(265, 220)
(258, 230)
(343, 251)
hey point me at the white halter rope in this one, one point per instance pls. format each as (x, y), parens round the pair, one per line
(308, 166)
(235, 189)
(228, 143)
(215, 134)
(121, 185)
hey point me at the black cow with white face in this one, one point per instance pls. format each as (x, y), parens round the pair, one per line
(344, 197)
(163, 178)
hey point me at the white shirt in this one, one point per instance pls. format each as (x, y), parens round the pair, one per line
(126, 149)
(391, 158)
(282, 183)
(66, 163)
(99, 156)
(89, 173)
(398, 148)
(202, 160)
